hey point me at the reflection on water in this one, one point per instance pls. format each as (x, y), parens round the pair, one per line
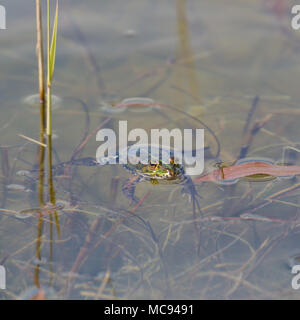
(70, 232)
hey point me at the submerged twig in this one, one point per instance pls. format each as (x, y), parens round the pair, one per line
(250, 113)
(32, 140)
(5, 172)
(249, 139)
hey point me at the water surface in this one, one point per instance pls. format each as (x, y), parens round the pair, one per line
(208, 59)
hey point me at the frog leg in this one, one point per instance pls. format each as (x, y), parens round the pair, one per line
(88, 162)
(190, 189)
(153, 181)
(128, 187)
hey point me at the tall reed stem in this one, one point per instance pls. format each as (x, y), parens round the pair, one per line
(41, 149)
(49, 119)
(40, 51)
(41, 73)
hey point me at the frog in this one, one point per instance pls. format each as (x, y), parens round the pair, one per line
(151, 167)
(147, 167)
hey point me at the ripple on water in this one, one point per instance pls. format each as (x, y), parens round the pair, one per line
(107, 108)
(139, 105)
(131, 105)
(24, 173)
(33, 101)
(257, 177)
(17, 187)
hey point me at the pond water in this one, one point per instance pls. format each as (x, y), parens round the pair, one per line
(210, 60)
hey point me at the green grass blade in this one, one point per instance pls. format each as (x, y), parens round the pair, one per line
(53, 43)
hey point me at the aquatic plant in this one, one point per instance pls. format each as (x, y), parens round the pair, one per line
(51, 54)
